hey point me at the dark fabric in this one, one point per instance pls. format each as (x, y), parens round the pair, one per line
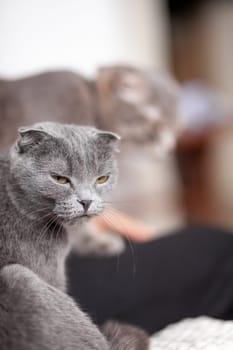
(186, 274)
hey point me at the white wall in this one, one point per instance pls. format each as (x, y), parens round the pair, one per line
(81, 34)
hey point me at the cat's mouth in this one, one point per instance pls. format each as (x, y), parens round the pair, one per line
(71, 215)
(88, 216)
(73, 219)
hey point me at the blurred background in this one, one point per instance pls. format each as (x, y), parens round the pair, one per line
(190, 39)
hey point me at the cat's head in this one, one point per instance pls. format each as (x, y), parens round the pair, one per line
(140, 105)
(62, 171)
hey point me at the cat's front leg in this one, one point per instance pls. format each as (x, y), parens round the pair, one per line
(36, 316)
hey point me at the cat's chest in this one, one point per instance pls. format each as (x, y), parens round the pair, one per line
(47, 260)
(30, 245)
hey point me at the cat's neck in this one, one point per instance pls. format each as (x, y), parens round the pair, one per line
(40, 246)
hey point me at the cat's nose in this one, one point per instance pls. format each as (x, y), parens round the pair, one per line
(85, 203)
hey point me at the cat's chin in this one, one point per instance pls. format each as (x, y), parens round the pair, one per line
(78, 220)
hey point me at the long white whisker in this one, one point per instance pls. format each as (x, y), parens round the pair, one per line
(122, 226)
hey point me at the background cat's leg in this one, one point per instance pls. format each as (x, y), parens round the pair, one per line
(87, 239)
(35, 315)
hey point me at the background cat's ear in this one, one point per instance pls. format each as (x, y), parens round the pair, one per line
(29, 137)
(125, 83)
(132, 87)
(109, 139)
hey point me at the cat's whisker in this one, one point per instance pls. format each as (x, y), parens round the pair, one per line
(38, 211)
(52, 235)
(109, 222)
(56, 232)
(59, 230)
(40, 235)
(19, 219)
(45, 228)
(123, 227)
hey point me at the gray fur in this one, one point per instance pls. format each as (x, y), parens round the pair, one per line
(120, 97)
(132, 337)
(35, 312)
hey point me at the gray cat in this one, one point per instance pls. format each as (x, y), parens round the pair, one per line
(141, 106)
(54, 175)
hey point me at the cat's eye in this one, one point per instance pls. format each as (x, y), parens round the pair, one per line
(62, 180)
(102, 179)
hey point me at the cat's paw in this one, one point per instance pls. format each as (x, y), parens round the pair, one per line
(125, 337)
(90, 241)
(109, 244)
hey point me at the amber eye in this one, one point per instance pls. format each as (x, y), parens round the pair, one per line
(61, 179)
(102, 179)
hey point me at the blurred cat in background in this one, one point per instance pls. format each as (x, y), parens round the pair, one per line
(139, 105)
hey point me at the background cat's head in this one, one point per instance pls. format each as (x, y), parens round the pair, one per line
(61, 170)
(140, 105)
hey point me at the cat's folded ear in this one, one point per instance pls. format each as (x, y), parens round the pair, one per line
(29, 137)
(109, 139)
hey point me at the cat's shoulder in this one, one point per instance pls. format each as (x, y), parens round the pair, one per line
(16, 276)
(29, 305)
(17, 282)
